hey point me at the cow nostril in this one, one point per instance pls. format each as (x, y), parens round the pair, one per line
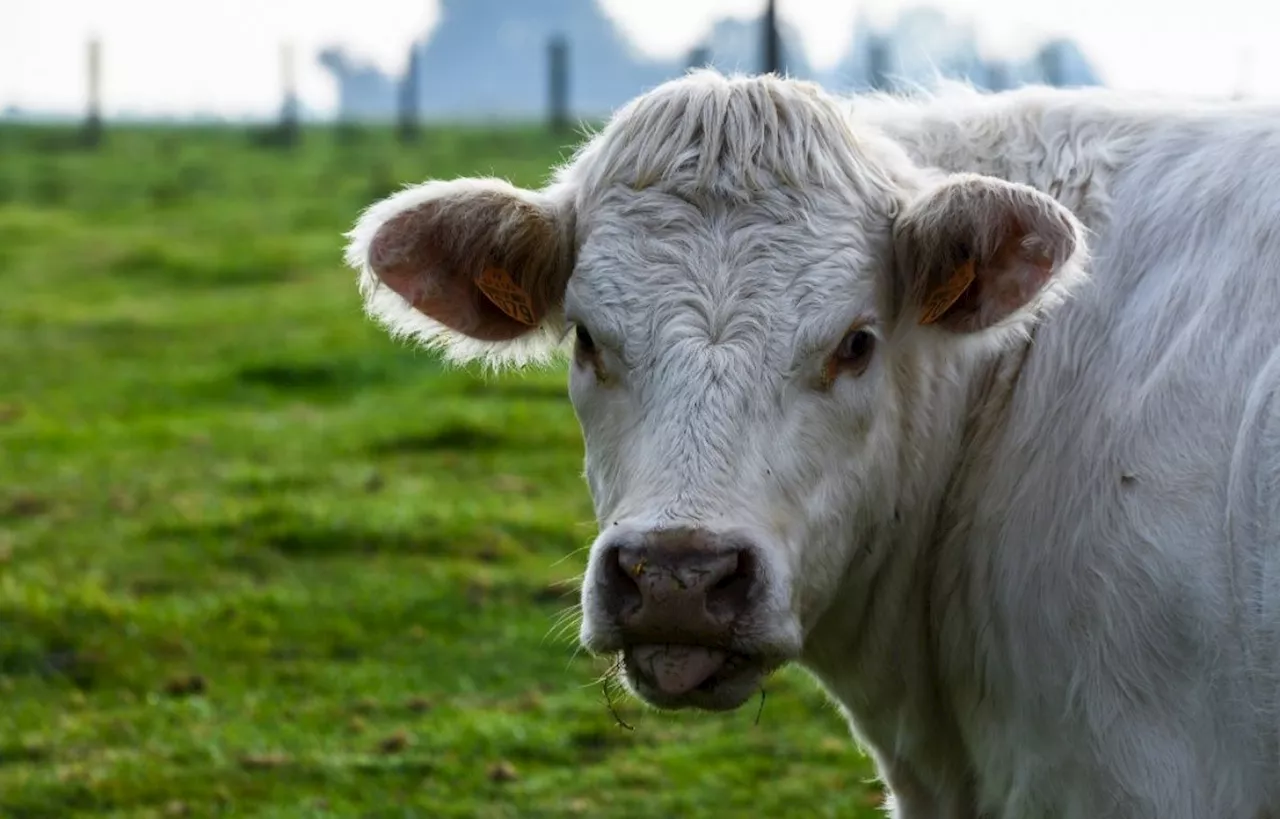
(727, 581)
(668, 590)
(731, 593)
(622, 589)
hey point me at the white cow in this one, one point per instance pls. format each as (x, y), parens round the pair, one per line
(855, 395)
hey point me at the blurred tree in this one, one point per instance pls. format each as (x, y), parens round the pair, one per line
(493, 52)
(735, 45)
(999, 76)
(1060, 62)
(699, 57)
(364, 92)
(1051, 65)
(878, 63)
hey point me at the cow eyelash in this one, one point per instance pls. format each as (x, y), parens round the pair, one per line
(586, 354)
(856, 347)
(852, 355)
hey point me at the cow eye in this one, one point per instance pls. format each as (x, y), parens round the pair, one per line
(586, 344)
(854, 353)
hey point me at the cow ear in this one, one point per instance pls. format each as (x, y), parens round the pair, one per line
(477, 267)
(977, 252)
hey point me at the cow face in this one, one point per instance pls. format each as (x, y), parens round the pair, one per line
(757, 299)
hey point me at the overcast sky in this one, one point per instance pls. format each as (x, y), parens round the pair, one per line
(181, 56)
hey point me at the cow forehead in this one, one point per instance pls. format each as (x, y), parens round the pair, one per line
(729, 209)
(735, 138)
(778, 275)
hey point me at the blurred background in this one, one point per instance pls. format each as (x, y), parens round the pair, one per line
(257, 559)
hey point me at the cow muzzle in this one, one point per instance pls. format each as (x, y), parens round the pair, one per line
(688, 610)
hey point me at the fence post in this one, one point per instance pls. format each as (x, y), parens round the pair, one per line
(772, 41)
(92, 133)
(409, 93)
(289, 127)
(558, 83)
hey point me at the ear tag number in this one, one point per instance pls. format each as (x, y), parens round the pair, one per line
(941, 299)
(507, 296)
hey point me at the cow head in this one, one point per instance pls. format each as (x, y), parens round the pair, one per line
(763, 300)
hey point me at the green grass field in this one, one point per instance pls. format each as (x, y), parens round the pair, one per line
(257, 559)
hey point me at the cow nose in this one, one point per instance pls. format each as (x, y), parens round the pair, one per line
(686, 586)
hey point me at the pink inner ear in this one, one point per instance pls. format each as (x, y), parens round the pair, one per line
(1003, 284)
(1020, 270)
(408, 256)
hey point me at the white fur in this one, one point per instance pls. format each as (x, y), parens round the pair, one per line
(400, 318)
(1039, 566)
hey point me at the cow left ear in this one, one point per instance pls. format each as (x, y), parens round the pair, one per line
(475, 267)
(978, 252)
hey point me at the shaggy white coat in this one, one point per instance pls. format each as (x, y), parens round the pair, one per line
(1036, 560)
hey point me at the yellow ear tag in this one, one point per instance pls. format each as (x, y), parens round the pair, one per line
(940, 300)
(506, 295)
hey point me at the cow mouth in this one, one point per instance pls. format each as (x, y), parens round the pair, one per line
(674, 676)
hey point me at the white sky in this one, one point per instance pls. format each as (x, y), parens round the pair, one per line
(223, 56)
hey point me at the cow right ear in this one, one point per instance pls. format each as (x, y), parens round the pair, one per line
(477, 267)
(977, 253)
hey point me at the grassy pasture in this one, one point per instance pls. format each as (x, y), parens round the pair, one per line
(257, 559)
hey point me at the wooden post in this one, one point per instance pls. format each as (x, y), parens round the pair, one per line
(772, 40)
(289, 128)
(409, 93)
(558, 83)
(699, 57)
(92, 134)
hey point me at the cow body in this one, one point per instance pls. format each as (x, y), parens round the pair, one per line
(1100, 615)
(1032, 547)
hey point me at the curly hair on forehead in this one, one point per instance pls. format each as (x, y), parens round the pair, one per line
(730, 137)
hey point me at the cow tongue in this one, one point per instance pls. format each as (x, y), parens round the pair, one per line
(677, 669)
